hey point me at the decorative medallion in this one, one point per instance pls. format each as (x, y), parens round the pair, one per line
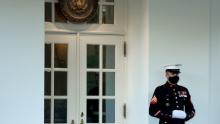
(79, 11)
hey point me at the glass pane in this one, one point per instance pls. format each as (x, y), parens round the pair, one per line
(47, 56)
(108, 115)
(48, 12)
(47, 83)
(60, 111)
(108, 14)
(92, 83)
(109, 84)
(47, 110)
(60, 83)
(92, 56)
(108, 0)
(59, 17)
(109, 56)
(95, 19)
(92, 111)
(60, 56)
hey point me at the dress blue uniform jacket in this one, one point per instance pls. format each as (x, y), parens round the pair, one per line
(169, 97)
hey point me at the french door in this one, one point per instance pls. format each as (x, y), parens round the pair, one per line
(60, 79)
(83, 79)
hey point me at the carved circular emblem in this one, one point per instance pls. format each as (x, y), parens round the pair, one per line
(79, 11)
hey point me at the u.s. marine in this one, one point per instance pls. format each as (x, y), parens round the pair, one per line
(171, 103)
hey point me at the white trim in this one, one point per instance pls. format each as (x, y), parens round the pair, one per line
(52, 84)
(84, 32)
(78, 78)
(50, 1)
(108, 3)
(53, 12)
(55, 97)
(100, 96)
(102, 70)
(100, 83)
(100, 12)
(61, 69)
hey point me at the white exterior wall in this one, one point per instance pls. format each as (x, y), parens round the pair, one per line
(215, 60)
(21, 65)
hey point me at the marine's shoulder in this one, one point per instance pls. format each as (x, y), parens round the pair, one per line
(182, 87)
(160, 90)
(162, 86)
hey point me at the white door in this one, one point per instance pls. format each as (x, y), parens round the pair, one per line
(60, 79)
(83, 79)
(101, 79)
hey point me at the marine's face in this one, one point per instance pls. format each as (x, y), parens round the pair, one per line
(172, 77)
(170, 74)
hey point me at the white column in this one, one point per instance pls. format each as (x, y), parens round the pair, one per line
(138, 54)
(22, 61)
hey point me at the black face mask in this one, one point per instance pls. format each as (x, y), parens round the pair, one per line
(174, 79)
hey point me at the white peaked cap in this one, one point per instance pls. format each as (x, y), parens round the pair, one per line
(174, 66)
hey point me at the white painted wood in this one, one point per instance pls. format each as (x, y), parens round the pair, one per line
(84, 32)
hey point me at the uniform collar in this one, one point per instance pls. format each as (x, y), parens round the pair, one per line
(170, 85)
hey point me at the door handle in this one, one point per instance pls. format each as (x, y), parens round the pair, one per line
(82, 121)
(72, 122)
